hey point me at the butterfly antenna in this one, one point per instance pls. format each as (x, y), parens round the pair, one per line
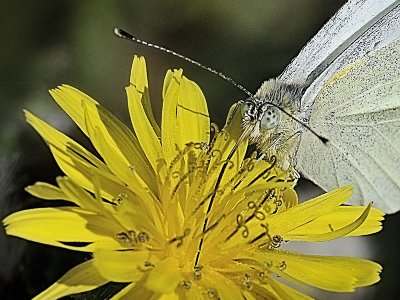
(320, 137)
(127, 36)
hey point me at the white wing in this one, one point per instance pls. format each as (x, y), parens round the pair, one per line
(358, 111)
(384, 31)
(343, 30)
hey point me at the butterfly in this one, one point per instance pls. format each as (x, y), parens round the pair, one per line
(334, 112)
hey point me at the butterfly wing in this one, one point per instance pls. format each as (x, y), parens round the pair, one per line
(356, 22)
(382, 32)
(358, 111)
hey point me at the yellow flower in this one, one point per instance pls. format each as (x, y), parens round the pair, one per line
(179, 212)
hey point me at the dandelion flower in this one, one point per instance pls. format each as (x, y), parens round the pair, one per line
(179, 211)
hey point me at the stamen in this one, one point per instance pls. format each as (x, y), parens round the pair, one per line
(199, 146)
(119, 199)
(214, 225)
(214, 129)
(216, 153)
(143, 237)
(259, 215)
(179, 239)
(265, 233)
(269, 264)
(277, 203)
(126, 238)
(149, 264)
(282, 266)
(247, 282)
(213, 294)
(276, 242)
(131, 238)
(216, 191)
(175, 174)
(197, 274)
(265, 173)
(185, 284)
(241, 223)
(183, 179)
(179, 156)
(261, 276)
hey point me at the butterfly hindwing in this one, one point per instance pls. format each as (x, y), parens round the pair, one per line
(358, 111)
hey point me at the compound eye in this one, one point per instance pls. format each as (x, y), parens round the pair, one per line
(270, 118)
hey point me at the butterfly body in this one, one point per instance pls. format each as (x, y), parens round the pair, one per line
(275, 133)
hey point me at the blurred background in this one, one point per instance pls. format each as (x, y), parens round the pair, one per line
(47, 43)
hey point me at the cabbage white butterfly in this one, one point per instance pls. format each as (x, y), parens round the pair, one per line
(334, 112)
(345, 86)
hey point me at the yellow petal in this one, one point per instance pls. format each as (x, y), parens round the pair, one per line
(141, 215)
(139, 80)
(147, 136)
(82, 278)
(185, 116)
(259, 291)
(224, 144)
(121, 266)
(170, 296)
(133, 290)
(81, 172)
(338, 218)
(192, 117)
(117, 163)
(165, 277)
(78, 195)
(76, 161)
(70, 100)
(60, 141)
(195, 292)
(169, 127)
(307, 211)
(78, 106)
(332, 273)
(226, 288)
(334, 233)
(125, 143)
(64, 227)
(286, 292)
(46, 191)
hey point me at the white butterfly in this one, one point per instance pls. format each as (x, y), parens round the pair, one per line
(345, 85)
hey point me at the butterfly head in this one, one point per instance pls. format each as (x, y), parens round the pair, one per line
(262, 116)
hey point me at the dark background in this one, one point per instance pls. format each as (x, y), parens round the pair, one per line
(47, 43)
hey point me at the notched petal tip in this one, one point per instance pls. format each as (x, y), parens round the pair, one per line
(138, 77)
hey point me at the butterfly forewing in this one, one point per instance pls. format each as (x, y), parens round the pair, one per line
(351, 22)
(381, 33)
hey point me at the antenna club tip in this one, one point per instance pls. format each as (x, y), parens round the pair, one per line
(122, 33)
(118, 31)
(323, 140)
